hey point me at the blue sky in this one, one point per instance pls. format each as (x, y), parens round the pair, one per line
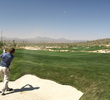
(70, 19)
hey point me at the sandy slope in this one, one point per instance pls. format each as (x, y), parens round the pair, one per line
(30, 87)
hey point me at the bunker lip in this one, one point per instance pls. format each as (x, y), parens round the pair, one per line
(30, 87)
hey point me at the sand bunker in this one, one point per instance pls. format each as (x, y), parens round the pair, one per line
(30, 87)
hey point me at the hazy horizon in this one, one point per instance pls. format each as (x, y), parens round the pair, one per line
(69, 19)
(47, 38)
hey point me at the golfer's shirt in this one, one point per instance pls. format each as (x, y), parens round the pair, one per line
(6, 59)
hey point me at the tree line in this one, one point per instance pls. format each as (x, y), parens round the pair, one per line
(19, 44)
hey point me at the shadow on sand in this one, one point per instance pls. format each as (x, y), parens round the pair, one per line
(27, 87)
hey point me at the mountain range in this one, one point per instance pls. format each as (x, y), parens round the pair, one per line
(41, 39)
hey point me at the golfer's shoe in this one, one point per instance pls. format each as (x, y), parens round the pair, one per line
(10, 89)
(3, 94)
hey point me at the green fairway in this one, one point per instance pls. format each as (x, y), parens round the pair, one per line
(88, 72)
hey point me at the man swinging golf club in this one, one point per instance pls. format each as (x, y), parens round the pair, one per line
(6, 60)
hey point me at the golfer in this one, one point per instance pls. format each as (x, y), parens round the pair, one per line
(6, 60)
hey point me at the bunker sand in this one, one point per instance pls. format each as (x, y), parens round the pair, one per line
(30, 87)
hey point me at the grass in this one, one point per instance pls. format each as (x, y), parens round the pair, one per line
(88, 72)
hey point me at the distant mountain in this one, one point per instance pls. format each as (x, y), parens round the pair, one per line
(41, 39)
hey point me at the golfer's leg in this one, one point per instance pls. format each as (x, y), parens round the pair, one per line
(1, 73)
(6, 79)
